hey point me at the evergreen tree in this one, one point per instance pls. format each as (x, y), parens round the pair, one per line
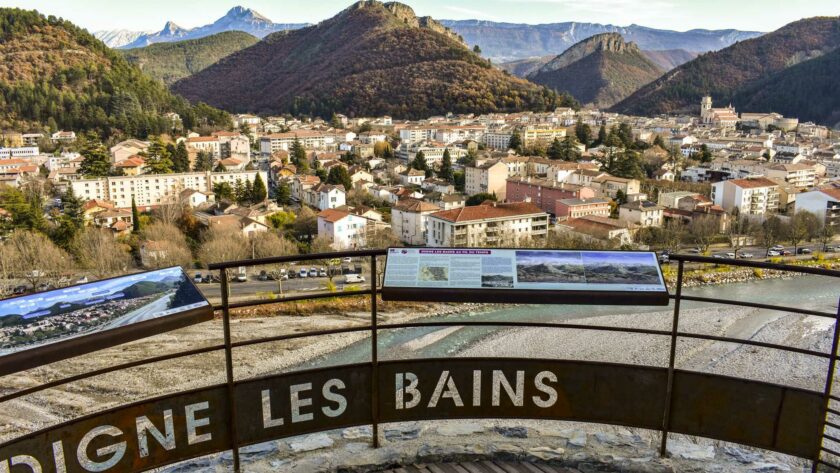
(555, 151)
(335, 122)
(583, 133)
(339, 175)
(220, 167)
(203, 162)
(445, 171)
(96, 162)
(515, 142)
(283, 194)
(135, 216)
(569, 149)
(602, 135)
(322, 174)
(180, 157)
(658, 141)
(259, 192)
(223, 191)
(239, 191)
(158, 160)
(629, 165)
(477, 49)
(70, 222)
(297, 154)
(247, 193)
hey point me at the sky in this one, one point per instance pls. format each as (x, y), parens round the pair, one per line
(681, 15)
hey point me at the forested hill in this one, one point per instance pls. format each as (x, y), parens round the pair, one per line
(723, 74)
(57, 74)
(170, 62)
(370, 59)
(809, 90)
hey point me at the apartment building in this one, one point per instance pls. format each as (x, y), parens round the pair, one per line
(272, 143)
(824, 203)
(488, 224)
(642, 213)
(343, 229)
(576, 208)
(757, 196)
(798, 175)
(490, 178)
(542, 136)
(149, 190)
(408, 220)
(544, 193)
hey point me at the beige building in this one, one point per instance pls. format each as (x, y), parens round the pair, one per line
(642, 213)
(488, 178)
(757, 196)
(488, 224)
(408, 220)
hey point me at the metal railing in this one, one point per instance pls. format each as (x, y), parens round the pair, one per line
(675, 334)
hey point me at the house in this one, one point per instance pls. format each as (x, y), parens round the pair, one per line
(194, 198)
(95, 206)
(63, 136)
(343, 229)
(408, 220)
(301, 184)
(245, 225)
(576, 208)
(412, 176)
(642, 213)
(132, 166)
(757, 196)
(544, 193)
(489, 178)
(325, 196)
(118, 221)
(127, 149)
(600, 228)
(447, 201)
(487, 224)
(611, 185)
(798, 175)
(823, 202)
(433, 184)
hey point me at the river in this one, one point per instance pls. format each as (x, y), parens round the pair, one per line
(805, 292)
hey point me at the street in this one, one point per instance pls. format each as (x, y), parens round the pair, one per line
(254, 288)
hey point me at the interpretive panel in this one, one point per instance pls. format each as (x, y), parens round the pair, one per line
(528, 276)
(49, 326)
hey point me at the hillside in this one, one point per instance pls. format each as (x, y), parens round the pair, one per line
(670, 58)
(370, 59)
(236, 19)
(808, 90)
(170, 62)
(525, 67)
(57, 74)
(512, 41)
(600, 70)
(724, 73)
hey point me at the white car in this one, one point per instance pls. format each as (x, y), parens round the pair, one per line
(354, 279)
(773, 253)
(730, 255)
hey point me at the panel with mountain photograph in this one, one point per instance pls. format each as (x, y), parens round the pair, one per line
(549, 267)
(616, 267)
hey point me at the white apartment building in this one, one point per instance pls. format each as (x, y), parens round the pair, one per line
(488, 224)
(343, 229)
(824, 203)
(283, 141)
(432, 152)
(21, 152)
(207, 144)
(490, 178)
(149, 190)
(415, 134)
(757, 196)
(408, 220)
(542, 136)
(797, 175)
(497, 139)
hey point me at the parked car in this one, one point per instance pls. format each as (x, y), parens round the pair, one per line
(82, 280)
(303, 272)
(263, 276)
(354, 279)
(730, 255)
(313, 272)
(20, 290)
(284, 274)
(322, 272)
(694, 251)
(745, 255)
(207, 279)
(347, 260)
(785, 253)
(778, 248)
(198, 279)
(717, 256)
(773, 253)
(803, 251)
(664, 257)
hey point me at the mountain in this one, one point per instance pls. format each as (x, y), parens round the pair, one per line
(117, 38)
(670, 58)
(370, 59)
(808, 90)
(600, 70)
(525, 67)
(722, 74)
(56, 74)
(170, 62)
(510, 41)
(237, 19)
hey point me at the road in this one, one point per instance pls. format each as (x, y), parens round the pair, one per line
(758, 252)
(147, 312)
(253, 288)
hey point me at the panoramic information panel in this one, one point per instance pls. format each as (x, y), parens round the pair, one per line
(524, 276)
(48, 326)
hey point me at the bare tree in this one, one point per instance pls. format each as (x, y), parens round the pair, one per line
(101, 253)
(737, 232)
(803, 227)
(165, 246)
(36, 258)
(770, 232)
(826, 234)
(223, 244)
(270, 244)
(702, 230)
(673, 233)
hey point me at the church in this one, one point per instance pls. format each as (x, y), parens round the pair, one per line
(722, 117)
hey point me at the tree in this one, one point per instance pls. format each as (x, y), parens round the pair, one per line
(704, 155)
(135, 216)
(223, 244)
(306, 224)
(770, 232)
(283, 193)
(583, 133)
(96, 162)
(515, 142)
(223, 191)
(826, 234)
(702, 229)
(339, 175)
(220, 167)
(459, 179)
(258, 191)
(158, 160)
(100, 253)
(445, 171)
(297, 154)
(659, 141)
(628, 164)
(169, 246)
(335, 122)
(70, 222)
(477, 199)
(203, 162)
(477, 49)
(180, 157)
(737, 232)
(602, 135)
(804, 226)
(555, 151)
(36, 258)
(383, 150)
(419, 163)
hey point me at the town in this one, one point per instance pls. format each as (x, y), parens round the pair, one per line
(281, 185)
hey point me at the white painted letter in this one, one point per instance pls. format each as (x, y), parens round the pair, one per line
(337, 398)
(539, 382)
(451, 391)
(58, 456)
(193, 424)
(117, 450)
(268, 421)
(499, 381)
(476, 388)
(411, 389)
(26, 460)
(296, 402)
(145, 425)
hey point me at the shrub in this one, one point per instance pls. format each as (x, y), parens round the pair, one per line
(757, 272)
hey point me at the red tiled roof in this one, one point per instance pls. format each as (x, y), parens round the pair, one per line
(487, 211)
(753, 183)
(333, 215)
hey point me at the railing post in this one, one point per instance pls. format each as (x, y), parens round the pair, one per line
(234, 442)
(374, 355)
(829, 383)
(675, 323)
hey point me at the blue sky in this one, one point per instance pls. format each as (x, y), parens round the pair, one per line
(760, 15)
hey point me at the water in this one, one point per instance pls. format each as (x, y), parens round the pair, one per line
(805, 292)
